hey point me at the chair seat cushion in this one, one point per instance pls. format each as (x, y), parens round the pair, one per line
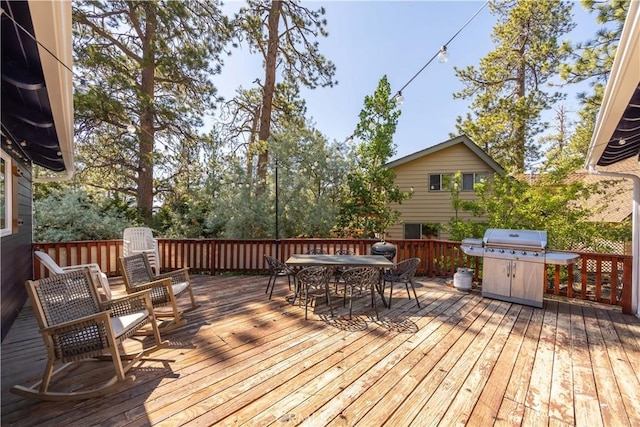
(179, 287)
(123, 324)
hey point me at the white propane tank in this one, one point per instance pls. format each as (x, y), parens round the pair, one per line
(462, 279)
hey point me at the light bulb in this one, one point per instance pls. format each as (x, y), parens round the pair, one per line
(372, 125)
(131, 128)
(442, 55)
(399, 98)
(350, 140)
(82, 88)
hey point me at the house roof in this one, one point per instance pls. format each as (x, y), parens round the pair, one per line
(611, 205)
(462, 139)
(37, 98)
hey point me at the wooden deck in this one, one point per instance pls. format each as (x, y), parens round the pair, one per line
(460, 359)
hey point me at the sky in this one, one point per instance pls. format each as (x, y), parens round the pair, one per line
(370, 39)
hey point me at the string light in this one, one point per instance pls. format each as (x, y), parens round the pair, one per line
(442, 55)
(399, 99)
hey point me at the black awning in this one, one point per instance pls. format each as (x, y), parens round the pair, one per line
(625, 141)
(28, 126)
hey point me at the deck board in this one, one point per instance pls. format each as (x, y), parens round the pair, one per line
(459, 359)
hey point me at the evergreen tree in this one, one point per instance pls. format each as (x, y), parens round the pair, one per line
(592, 61)
(507, 90)
(365, 209)
(284, 33)
(148, 67)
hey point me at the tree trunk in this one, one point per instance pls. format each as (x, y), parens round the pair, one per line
(267, 93)
(145, 190)
(520, 124)
(253, 136)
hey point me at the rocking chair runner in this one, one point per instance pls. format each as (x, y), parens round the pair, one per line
(76, 326)
(165, 288)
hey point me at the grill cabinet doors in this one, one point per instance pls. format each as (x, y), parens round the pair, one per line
(513, 281)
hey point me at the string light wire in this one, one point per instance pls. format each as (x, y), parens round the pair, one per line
(399, 97)
(443, 48)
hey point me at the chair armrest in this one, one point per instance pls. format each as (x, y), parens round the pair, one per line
(166, 282)
(132, 303)
(176, 276)
(102, 317)
(91, 265)
(160, 290)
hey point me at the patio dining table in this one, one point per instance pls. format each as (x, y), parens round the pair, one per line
(347, 261)
(351, 261)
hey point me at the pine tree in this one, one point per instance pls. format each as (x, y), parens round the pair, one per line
(591, 61)
(507, 91)
(285, 34)
(148, 68)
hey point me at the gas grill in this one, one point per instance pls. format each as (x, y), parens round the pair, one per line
(514, 260)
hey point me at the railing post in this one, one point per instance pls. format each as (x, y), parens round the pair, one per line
(627, 271)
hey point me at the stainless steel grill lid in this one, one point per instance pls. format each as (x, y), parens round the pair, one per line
(515, 238)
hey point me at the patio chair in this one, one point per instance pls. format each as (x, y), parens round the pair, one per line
(402, 272)
(339, 270)
(140, 240)
(316, 251)
(76, 326)
(165, 288)
(313, 280)
(96, 274)
(277, 269)
(361, 279)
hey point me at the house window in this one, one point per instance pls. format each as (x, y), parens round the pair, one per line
(442, 181)
(412, 231)
(469, 180)
(420, 231)
(5, 194)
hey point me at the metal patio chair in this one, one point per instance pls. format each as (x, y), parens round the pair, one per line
(402, 272)
(338, 270)
(361, 279)
(76, 326)
(316, 251)
(277, 269)
(165, 288)
(313, 280)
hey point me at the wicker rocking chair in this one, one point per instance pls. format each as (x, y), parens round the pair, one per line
(165, 289)
(76, 326)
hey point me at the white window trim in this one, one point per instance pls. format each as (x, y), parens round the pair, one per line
(8, 195)
(443, 176)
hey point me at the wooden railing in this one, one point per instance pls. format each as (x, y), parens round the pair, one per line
(604, 278)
